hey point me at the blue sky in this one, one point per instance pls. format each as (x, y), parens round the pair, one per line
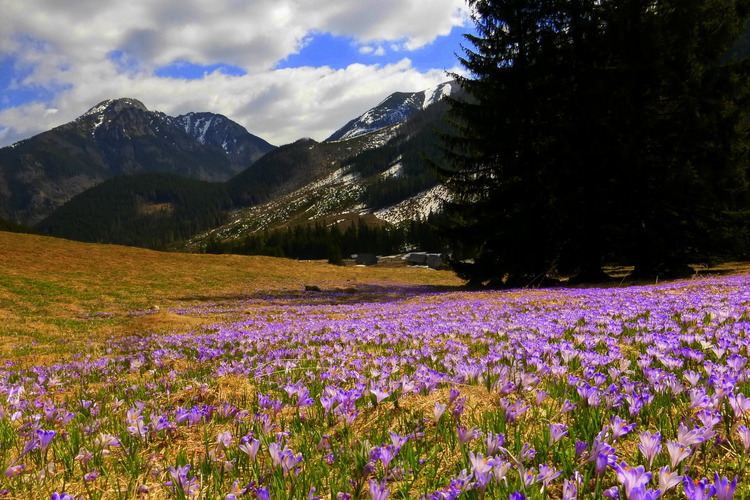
(284, 69)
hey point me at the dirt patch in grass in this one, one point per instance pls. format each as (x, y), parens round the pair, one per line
(161, 322)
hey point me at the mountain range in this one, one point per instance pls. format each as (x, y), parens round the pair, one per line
(123, 174)
(115, 138)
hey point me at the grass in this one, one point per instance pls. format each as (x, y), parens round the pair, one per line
(50, 288)
(136, 374)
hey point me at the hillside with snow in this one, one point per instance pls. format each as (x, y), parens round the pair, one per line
(394, 109)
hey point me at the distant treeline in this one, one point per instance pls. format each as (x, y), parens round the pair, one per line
(319, 241)
(150, 210)
(12, 227)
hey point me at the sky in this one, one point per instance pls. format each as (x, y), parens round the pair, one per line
(283, 69)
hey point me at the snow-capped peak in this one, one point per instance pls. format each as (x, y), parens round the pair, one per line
(394, 109)
(115, 105)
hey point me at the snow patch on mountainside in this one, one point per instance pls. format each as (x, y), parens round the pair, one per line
(340, 176)
(396, 170)
(418, 206)
(198, 126)
(436, 94)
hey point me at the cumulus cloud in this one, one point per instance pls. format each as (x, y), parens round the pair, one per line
(279, 106)
(85, 51)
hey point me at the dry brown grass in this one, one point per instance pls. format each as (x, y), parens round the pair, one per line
(50, 288)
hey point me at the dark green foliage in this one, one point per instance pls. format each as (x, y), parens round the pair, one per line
(148, 210)
(12, 227)
(260, 182)
(318, 241)
(596, 131)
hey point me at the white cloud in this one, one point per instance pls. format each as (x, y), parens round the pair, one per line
(375, 51)
(96, 50)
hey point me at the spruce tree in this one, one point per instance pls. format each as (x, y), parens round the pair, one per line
(596, 128)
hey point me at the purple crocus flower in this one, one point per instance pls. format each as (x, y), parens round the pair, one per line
(466, 435)
(556, 432)
(668, 479)
(236, 491)
(62, 496)
(439, 410)
(567, 406)
(224, 440)
(397, 440)
(547, 474)
(380, 394)
(677, 453)
(540, 396)
(744, 433)
(106, 440)
(494, 442)
(570, 490)
(724, 489)
(631, 477)
(698, 490)
(641, 493)
(274, 449)
(453, 395)
(619, 427)
(14, 470)
(250, 446)
(602, 461)
(650, 445)
(387, 455)
(527, 453)
(479, 464)
(613, 492)
(180, 481)
(581, 448)
(689, 437)
(379, 491)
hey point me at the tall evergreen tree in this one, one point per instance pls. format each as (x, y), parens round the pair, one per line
(594, 127)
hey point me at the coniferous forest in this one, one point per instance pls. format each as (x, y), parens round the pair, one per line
(320, 241)
(596, 131)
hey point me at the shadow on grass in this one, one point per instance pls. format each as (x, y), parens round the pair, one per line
(360, 294)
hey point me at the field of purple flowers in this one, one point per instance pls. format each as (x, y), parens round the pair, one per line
(630, 393)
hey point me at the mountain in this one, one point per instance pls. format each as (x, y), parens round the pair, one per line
(148, 209)
(380, 177)
(218, 131)
(118, 137)
(394, 109)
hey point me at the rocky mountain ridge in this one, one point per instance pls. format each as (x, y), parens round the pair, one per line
(118, 137)
(394, 109)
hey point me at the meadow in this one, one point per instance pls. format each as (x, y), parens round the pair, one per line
(135, 374)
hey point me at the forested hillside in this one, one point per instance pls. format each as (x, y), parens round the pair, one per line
(150, 210)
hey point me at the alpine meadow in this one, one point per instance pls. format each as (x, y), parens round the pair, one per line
(529, 282)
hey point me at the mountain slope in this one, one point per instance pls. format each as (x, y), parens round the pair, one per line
(394, 109)
(118, 137)
(381, 176)
(151, 210)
